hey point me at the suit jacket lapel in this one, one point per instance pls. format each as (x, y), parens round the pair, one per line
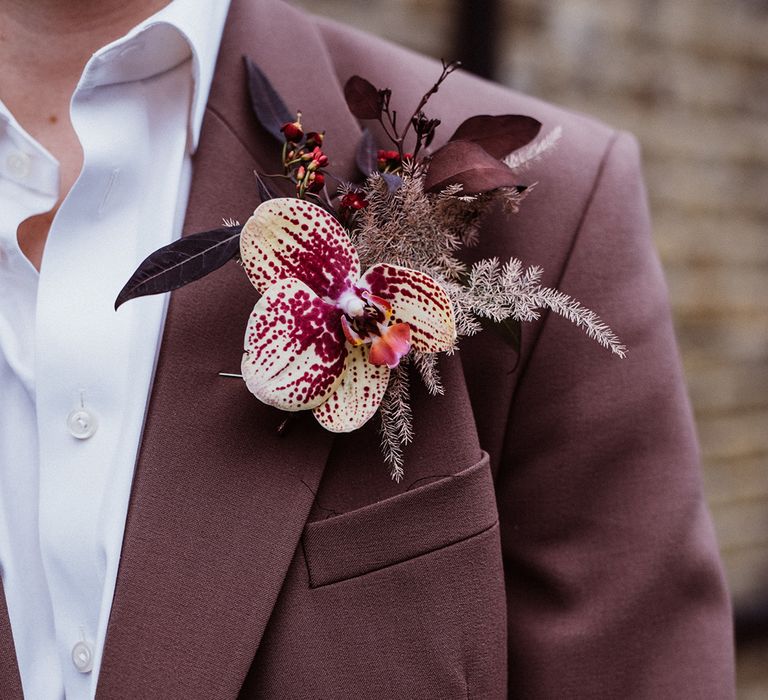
(219, 498)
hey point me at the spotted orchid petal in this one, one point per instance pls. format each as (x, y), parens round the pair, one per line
(357, 397)
(295, 351)
(416, 300)
(289, 237)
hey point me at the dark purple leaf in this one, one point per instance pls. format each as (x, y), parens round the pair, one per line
(500, 135)
(469, 165)
(512, 330)
(267, 105)
(265, 191)
(365, 156)
(182, 262)
(278, 186)
(363, 99)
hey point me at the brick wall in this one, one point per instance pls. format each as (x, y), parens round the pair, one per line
(690, 79)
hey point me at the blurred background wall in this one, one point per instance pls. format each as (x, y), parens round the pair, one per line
(690, 79)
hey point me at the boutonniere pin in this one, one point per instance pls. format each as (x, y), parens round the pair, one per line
(358, 286)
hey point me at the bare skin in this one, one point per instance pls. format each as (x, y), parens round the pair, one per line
(44, 46)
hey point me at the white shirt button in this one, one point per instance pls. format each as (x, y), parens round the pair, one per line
(18, 164)
(82, 423)
(82, 657)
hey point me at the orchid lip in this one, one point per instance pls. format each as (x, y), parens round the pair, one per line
(371, 326)
(392, 345)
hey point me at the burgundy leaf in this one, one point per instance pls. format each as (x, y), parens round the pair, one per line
(182, 262)
(509, 329)
(365, 156)
(265, 191)
(267, 105)
(498, 135)
(469, 165)
(363, 99)
(512, 330)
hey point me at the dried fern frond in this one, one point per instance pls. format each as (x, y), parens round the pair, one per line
(498, 291)
(511, 198)
(346, 188)
(533, 152)
(396, 419)
(582, 317)
(402, 227)
(426, 364)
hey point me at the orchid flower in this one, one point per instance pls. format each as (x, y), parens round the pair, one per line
(322, 336)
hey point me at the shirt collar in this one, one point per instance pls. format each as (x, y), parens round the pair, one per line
(182, 30)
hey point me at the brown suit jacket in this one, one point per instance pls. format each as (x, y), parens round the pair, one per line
(550, 539)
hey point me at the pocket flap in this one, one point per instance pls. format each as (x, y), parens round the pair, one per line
(413, 523)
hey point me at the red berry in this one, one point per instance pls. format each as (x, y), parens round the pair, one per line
(315, 138)
(317, 183)
(353, 200)
(319, 157)
(292, 131)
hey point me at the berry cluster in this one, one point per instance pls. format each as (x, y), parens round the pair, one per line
(350, 204)
(390, 161)
(303, 157)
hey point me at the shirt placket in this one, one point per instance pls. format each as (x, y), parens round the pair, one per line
(28, 186)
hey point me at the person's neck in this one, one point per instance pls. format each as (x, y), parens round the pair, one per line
(44, 46)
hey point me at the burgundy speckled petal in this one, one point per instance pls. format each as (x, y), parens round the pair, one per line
(358, 395)
(294, 347)
(289, 237)
(418, 301)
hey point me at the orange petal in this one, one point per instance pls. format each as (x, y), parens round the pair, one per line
(390, 347)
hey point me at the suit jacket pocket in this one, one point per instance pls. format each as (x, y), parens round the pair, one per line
(400, 528)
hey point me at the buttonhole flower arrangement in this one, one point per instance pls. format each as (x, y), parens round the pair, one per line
(363, 282)
(322, 336)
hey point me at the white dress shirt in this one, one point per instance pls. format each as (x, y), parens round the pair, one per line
(74, 374)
